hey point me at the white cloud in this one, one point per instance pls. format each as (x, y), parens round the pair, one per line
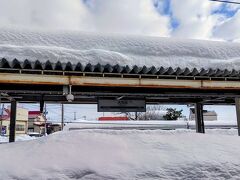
(229, 29)
(134, 16)
(51, 14)
(195, 18)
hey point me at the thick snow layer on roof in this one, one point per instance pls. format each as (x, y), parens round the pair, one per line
(118, 49)
(108, 154)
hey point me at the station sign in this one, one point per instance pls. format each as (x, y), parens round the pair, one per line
(115, 105)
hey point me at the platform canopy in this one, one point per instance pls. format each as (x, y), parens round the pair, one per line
(86, 68)
(37, 65)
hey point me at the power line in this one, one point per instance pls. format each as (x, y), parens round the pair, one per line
(223, 1)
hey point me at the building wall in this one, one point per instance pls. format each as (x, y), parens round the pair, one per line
(31, 125)
(39, 129)
(205, 117)
(21, 127)
(21, 122)
(22, 114)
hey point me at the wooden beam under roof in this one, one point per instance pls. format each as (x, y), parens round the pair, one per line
(38, 79)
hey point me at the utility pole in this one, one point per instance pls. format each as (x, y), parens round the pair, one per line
(62, 122)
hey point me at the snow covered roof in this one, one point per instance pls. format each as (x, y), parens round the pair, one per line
(117, 53)
(4, 114)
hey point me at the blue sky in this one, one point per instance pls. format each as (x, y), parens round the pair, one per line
(228, 12)
(164, 8)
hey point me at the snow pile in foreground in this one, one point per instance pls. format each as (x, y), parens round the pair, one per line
(101, 154)
(118, 49)
(231, 132)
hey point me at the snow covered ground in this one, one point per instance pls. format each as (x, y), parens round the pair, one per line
(4, 139)
(124, 154)
(157, 124)
(117, 49)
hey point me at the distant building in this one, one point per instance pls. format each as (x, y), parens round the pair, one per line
(36, 122)
(53, 127)
(21, 121)
(207, 115)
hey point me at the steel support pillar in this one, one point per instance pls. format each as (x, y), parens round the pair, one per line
(41, 105)
(237, 103)
(199, 118)
(13, 114)
(62, 120)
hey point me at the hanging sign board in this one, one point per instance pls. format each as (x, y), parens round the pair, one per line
(115, 105)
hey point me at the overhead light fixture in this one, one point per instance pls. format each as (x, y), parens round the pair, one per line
(70, 96)
(119, 98)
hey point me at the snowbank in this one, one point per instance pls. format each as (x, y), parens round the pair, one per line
(106, 154)
(118, 49)
(4, 139)
(125, 125)
(157, 124)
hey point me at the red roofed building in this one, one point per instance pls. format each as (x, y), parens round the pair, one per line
(36, 122)
(115, 118)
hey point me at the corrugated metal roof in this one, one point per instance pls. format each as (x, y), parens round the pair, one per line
(98, 68)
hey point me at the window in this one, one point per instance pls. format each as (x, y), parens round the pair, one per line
(30, 129)
(20, 127)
